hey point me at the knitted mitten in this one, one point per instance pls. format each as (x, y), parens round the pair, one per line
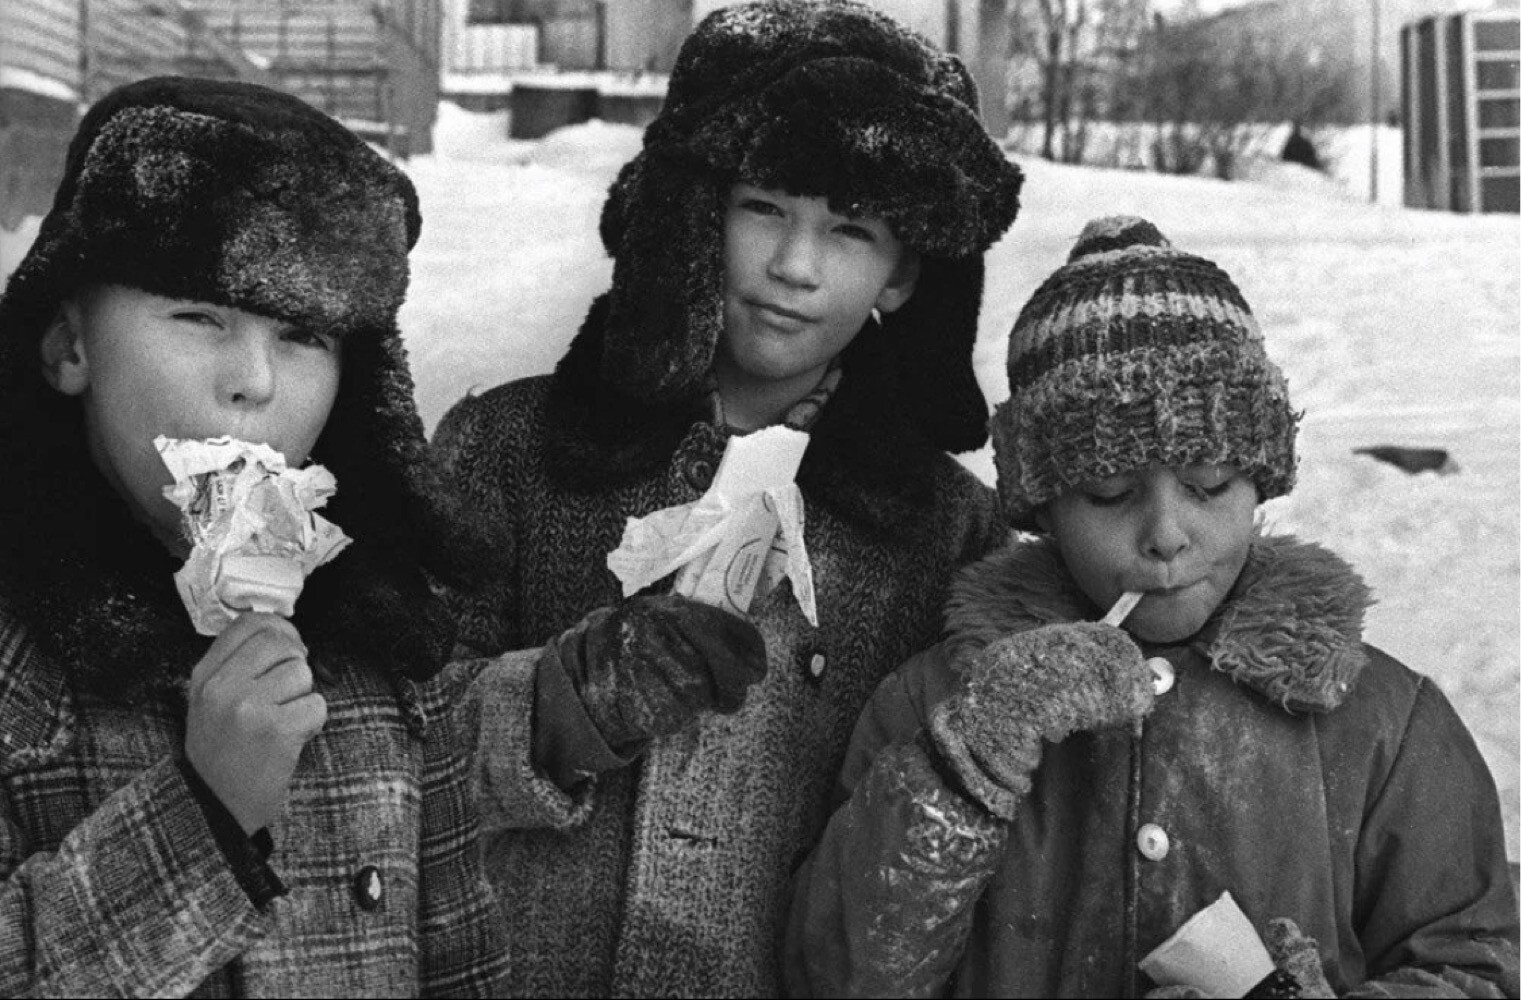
(1031, 686)
(1297, 957)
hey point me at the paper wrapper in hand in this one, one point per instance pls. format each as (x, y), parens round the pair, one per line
(1217, 951)
(251, 528)
(735, 543)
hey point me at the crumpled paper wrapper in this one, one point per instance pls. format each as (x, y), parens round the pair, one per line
(254, 537)
(735, 543)
(1217, 952)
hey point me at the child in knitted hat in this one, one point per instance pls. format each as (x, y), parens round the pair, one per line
(282, 810)
(798, 243)
(1231, 793)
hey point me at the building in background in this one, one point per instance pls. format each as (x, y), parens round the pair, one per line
(1462, 111)
(1342, 31)
(56, 56)
(372, 64)
(501, 53)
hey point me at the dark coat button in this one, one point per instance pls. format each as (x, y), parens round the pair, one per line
(369, 889)
(699, 473)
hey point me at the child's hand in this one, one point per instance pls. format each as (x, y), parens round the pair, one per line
(252, 709)
(652, 665)
(1046, 683)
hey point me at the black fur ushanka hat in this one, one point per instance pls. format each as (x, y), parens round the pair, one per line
(826, 99)
(229, 193)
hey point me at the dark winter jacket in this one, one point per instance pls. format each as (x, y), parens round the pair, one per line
(1364, 813)
(666, 877)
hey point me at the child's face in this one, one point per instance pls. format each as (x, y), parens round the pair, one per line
(144, 365)
(799, 282)
(1178, 534)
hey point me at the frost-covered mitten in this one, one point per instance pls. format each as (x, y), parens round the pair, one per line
(1031, 686)
(1297, 958)
(653, 664)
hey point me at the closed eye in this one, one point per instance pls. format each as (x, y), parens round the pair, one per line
(1107, 499)
(200, 317)
(1201, 492)
(759, 206)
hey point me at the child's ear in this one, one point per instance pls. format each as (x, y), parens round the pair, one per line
(900, 287)
(64, 364)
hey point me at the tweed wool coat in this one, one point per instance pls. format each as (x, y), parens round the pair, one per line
(1311, 776)
(113, 884)
(666, 877)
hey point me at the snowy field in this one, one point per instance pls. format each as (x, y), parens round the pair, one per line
(1393, 326)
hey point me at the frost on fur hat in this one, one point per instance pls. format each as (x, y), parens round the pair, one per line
(226, 192)
(826, 99)
(1133, 353)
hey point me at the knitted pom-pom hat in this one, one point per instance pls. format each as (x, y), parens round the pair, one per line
(827, 99)
(1135, 353)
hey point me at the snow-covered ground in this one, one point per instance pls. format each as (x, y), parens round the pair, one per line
(1393, 326)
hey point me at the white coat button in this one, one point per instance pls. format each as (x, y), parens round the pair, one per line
(1152, 842)
(816, 665)
(1162, 674)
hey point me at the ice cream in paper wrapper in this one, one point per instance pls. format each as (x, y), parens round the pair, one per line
(1216, 951)
(250, 521)
(738, 540)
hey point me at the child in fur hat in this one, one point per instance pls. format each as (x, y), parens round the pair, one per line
(284, 810)
(799, 242)
(1040, 801)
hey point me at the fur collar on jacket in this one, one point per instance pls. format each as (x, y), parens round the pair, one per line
(1290, 629)
(868, 461)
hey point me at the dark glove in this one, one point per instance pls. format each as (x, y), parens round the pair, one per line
(1043, 684)
(653, 664)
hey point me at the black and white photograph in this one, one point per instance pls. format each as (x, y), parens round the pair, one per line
(760, 498)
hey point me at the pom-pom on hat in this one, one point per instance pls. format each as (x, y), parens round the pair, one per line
(1135, 353)
(827, 99)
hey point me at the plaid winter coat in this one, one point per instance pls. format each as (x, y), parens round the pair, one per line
(113, 884)
(667, 876)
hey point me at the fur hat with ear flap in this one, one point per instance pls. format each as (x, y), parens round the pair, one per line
(234, 194)
(827, 99)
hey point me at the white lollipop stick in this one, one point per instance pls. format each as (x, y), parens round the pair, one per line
(1126, 604)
